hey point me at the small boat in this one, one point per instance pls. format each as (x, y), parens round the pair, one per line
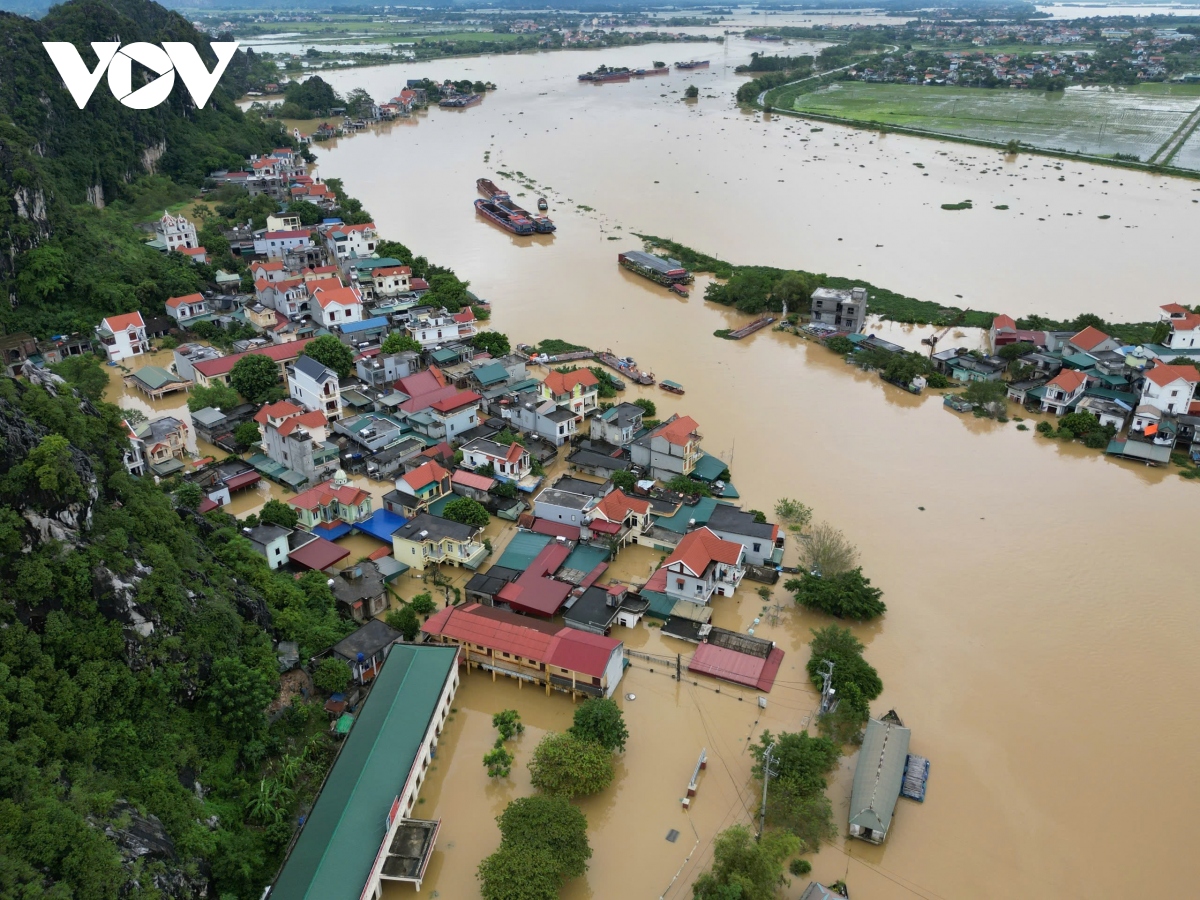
(692, 64)
(679, 289)
(673, 386)
(616, 382)
(542, 204)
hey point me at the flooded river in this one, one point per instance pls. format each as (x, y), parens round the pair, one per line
(1040, 638)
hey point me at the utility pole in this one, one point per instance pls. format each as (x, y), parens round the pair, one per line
(768, 773)
(678, 667)
(829, 699)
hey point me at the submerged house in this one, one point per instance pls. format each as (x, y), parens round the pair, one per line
(878, 778)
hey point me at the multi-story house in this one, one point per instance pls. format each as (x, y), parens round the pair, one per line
(1090, 340)
(297, 440)
(391, 281)
(336, 306)
(454, 415)
(382, 371)
(578, 391)
(545, 418)
(1064, 391)
(1169, 388)
(123, 336)
(1185, 328)
(330, 504)
(417, 489)
(843, 310)
(184, 309)
(509, 463)
(759, 538)
(430, 329)
(702, 565)
(315, 387)
(620, 517)
(351, 241)
(431, 540)
(216, 371)
(158, 445)
(275, 244)
(176, 232)
(672, 448)
(617, 425)
(271, 541)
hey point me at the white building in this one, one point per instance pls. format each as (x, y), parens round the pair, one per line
(391, 281)
(511, 463)
(1170, 388)
(123, 336)
(1063, 391)
(184, 309)
(176, 232)
(337, 305)
(350, 241)
(437, 328)
(702, 565)
(315, 387)
(1185, 328)
(275, 244)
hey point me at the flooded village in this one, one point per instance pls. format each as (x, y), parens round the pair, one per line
(585, 485)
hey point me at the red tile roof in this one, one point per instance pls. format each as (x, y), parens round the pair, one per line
(556, 529)
(468, 315)
(701, 547)
(568, 648)
(314, 419)
(1189, 322)
(535, 592)
(617, 504)
(176, 302)
(1162, 375)
(564, 382)
(325, 494)
(471, 480)
(420, 284)
(280, 410)
(341, 296)
(1002, 321)
(678, 431)
(740, 668)
(124, 322)
(458, 401)
(424, 401)
(604, 526)
(391, 270)
(1068, 380)
(1089, 338)
(1175, 309)
(427, 473)
(296, 233)
(277, 352)
(274, 266)
(318, 555)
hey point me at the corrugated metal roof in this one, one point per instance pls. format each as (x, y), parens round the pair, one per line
(879, 774)
(336, 848)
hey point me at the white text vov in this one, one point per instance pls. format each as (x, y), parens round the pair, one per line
(171, 57)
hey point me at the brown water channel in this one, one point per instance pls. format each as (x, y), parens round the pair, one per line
(1042, 621)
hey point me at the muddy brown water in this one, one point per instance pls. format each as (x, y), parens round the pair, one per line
(1041, 625)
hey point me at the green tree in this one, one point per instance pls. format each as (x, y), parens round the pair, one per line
(84, 373)
(467, 511)
(494, 342)
(332, 675)
(309, 213)
(255, 377)
(648, 407)
(793, 512)
(1079, 423)
(399, 342)
(359, 103)
(1012, 352)
(237, 696)
(795, 289)
(848, 595)
(331, 353)
(827, 552)
(508, 723)
(565, 765)
(423, 605)
(623, 479)
(247, 434)
(51, 466)
(519, 873)
(796, 801)
(1088, 320)
(845, 651)
(691, 93)
(903, 368)
(216, 395)
(498, 761)
(746, 869)
(549, 823)
(188, 495)
(276, 512)
(682, 484)
(405, 621)
(840, 344)
(986, 392)
(505, 489)
(599, 719)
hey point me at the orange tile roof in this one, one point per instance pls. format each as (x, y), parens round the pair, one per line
(261, 284)
(340, 296)
(1002, 321)
(1189, 322)
(1175, 309)
(123, 322)
(325, 494)
(458, 401)
(1068, 379)
(468, 315)
(315, 419)
(701, 547)
(275, 266)
(564, 382)
(1089, 338)
(280, 410)
(679, 431)
(428, 473)
(1162, 375)
(277, 352)
(176, 302)
(391, 270)
(617, 504)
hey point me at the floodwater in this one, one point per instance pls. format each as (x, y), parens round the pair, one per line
(1041, 626)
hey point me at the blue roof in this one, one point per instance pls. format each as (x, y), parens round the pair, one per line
(331, 532)
(365, 325)
(380, 524)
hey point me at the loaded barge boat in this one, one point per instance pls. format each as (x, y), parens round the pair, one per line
(657, 70)
(498, 215)
(541, 224)
(460, 101)
(667, 272)
(488, 188)
(626, 366)
(605, 74)
(693, 64)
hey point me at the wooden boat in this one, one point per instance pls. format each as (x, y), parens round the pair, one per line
(542, 204)
(673, 386)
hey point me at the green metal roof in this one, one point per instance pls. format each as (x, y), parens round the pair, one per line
(521, 550)
(678, 523)
(660, 604)
(1079, 360)
(339, 841)
(709, 468)
(491, 374)
(155, 377)
(879, 774)
(441, 357)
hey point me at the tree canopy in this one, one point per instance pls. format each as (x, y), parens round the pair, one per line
(566, 765)
(466, 511)
(516, 872)
(256, 377)
(399, 342)
(743, 868)
(331, 353)
(550, 823)
(494, 342)
(847, 595)
(276, 512)
(599, 719)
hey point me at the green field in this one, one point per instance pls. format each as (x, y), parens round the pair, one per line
(1100, 121)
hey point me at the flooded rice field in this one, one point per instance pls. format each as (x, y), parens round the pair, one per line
(1041, 626)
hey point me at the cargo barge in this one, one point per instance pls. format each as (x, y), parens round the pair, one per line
(605, 74)
(541, 224)
(626, 367)
(461, 101)
(667, 272)
(657, 70)
(498, 215)
(488, 188)
(693, 64)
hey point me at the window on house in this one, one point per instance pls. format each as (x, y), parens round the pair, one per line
(757, 547)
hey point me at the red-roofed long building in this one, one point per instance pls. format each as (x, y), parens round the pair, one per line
(216, 371)
(555, 656)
